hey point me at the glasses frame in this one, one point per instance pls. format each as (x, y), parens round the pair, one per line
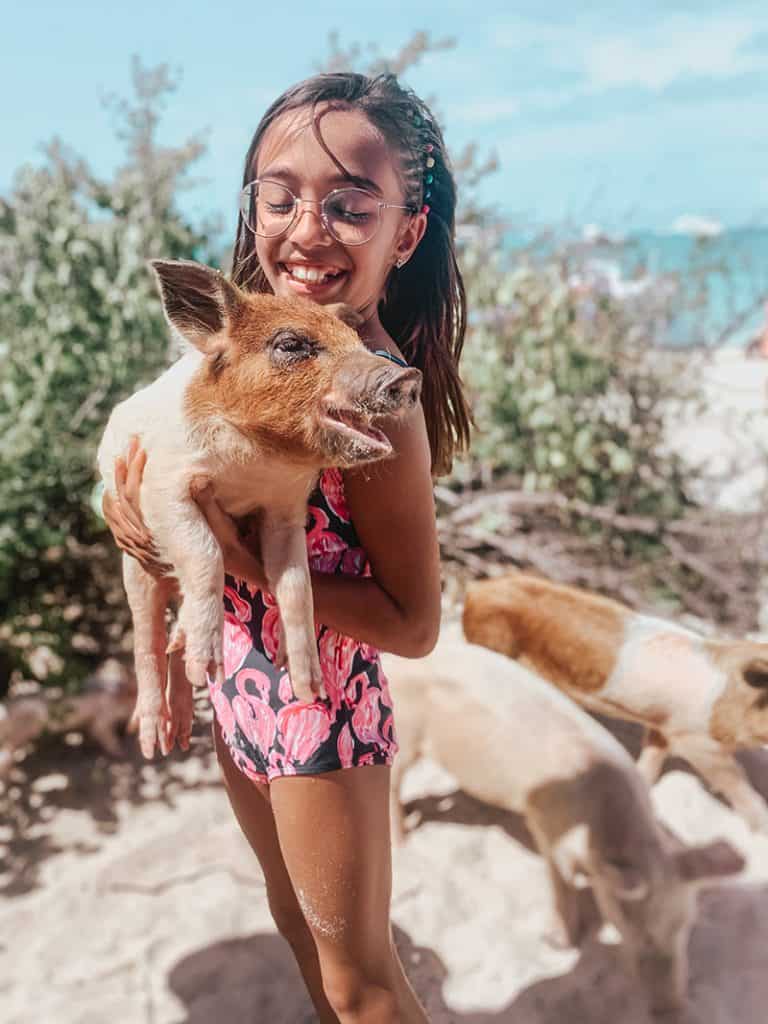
(297, 200)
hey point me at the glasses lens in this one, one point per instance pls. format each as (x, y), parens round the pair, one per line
(352, 215)
(267, 207)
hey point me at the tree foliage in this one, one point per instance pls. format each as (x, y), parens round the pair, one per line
(81, 327)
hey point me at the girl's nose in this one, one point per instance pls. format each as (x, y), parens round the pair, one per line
(308, 226)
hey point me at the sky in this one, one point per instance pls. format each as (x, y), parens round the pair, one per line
(621, 114)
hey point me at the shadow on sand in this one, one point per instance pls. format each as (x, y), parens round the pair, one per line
(256, 978)
(57, 776)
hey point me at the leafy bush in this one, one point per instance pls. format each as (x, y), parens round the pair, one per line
(81, 327)
(570, 389)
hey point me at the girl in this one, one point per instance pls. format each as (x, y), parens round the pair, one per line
(347, 197)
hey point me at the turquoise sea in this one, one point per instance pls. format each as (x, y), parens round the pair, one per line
(719, 282)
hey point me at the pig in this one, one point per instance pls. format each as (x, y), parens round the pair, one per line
(515, 742)
(22, 720)
(105, 704)
(269, 392)
(699, 699)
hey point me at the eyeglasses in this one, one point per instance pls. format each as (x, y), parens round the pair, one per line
(351, 215)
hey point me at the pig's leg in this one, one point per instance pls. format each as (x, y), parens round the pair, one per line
(726, 776)
(102, 726)
(148, 598)
(197, 559)
(575, 911)
(653, 755)
(284, 551)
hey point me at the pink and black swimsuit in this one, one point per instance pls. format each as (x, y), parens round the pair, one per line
(268, 731)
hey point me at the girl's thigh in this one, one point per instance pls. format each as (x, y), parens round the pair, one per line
(334, 836)
(251, 803)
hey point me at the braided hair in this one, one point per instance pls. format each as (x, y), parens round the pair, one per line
(424, 302)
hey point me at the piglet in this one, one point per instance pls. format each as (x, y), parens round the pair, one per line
(515, 742)
(269, 392)
(700, 699)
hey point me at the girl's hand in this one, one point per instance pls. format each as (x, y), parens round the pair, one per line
(240, 559)
(122, 513)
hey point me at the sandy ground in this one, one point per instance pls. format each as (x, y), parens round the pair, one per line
(730, 439)
(129, 896)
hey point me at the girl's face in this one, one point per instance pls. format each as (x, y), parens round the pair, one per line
(291, 154)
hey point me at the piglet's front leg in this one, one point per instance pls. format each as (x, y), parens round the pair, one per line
(284, 552)
(199, 564)
(148, 598)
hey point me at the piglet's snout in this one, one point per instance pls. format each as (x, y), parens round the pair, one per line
(393, 390)
(399, 390)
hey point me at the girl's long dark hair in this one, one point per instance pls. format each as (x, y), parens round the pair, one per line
(424, 305)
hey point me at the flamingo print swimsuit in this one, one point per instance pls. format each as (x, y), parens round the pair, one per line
(268, 731)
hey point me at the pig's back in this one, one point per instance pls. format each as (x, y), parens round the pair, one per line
(507, 725)
(154, 414)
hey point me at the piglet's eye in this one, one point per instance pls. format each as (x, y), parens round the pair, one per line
(288, 347)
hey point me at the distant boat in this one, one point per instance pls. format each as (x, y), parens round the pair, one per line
(697, 227)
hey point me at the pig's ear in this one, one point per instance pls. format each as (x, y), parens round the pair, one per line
(346, 314)
(756, 673)
(713, 860)
(198, 301)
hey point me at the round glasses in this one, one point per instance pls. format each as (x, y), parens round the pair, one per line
(351, 215)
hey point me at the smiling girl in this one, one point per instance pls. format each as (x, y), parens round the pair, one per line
(347, 197)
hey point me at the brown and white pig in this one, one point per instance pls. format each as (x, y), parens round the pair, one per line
(515, 742)
(103, 707)
(700, 699)
(270, 392)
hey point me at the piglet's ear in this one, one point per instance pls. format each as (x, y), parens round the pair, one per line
(346, 314)
(198, 302)
(712, 860)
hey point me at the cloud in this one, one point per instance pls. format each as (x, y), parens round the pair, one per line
(678, 48)
(651, 55)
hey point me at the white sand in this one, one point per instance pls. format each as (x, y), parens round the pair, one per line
(160, 917)
(729, 440)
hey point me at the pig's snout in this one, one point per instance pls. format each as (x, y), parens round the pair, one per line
(397, 390)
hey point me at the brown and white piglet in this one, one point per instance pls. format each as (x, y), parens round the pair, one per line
(700, 699)
(270, 392)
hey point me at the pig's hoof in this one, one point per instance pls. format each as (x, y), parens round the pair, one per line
(148, 736)
(197, 672)
(177, 641)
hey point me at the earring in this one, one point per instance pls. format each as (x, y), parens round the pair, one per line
(401, 262)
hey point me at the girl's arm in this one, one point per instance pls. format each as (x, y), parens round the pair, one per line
(391, 504)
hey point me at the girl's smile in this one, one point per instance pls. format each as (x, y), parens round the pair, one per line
(313, 280)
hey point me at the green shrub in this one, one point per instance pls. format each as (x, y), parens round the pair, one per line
(81, 327)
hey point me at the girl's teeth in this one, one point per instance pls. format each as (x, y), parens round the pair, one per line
(310, 274)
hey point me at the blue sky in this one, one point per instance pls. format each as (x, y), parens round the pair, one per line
(617, 113)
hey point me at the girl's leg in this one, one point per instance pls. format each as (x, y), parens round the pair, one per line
(334, 836)
(250, 802)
